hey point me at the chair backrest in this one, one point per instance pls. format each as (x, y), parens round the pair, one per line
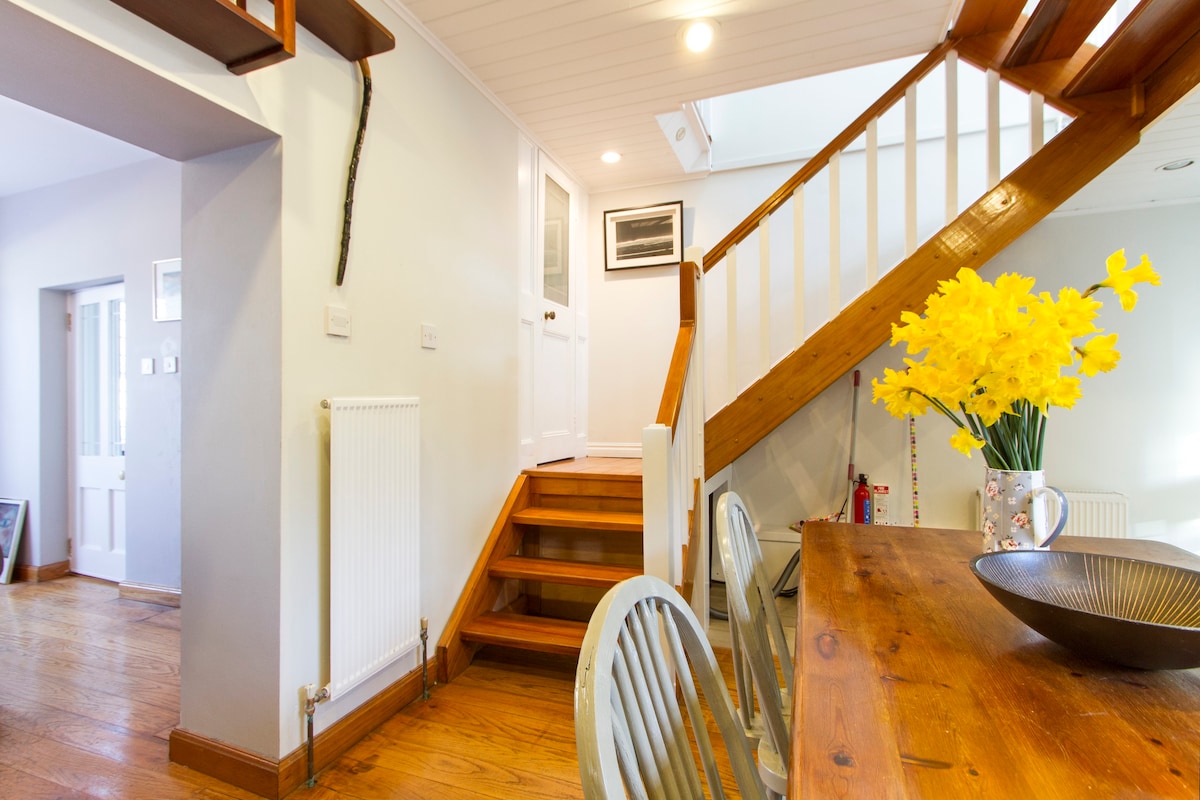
(643, 651)
(754, 623)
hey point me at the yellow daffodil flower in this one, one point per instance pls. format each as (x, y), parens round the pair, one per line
(993, 354)
(1098, 355)
(1121, 280)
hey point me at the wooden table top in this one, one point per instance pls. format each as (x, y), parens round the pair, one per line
(913, 682)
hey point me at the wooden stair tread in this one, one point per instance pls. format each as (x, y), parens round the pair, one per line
(541, 634)
(579, 518)
(574, 573)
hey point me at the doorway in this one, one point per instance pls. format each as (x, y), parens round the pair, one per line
(96, 421)
(553, 336)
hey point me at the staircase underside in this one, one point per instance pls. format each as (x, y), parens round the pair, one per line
(1149, 81)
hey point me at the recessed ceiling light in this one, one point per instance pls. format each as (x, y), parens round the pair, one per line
(611, 157)
(698, 34)
(1174, 165)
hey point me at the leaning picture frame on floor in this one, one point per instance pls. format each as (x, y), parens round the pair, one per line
(651, 236)
(12, 521)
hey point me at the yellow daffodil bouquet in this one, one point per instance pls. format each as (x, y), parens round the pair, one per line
(995, 357)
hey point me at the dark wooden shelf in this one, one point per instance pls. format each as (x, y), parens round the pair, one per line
(242, 43)
(218, 28)
(346, 27)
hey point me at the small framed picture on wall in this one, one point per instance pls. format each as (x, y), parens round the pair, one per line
(651, 236)
(168, 290)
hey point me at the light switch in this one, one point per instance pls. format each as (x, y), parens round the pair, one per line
(428, 337)
(337, 320)
(171, 364)
(147, 366)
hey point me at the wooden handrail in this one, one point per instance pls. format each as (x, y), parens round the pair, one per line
(681, 356)
(818, 162)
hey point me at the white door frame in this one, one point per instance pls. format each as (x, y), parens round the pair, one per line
(552, 338)
(96, 480)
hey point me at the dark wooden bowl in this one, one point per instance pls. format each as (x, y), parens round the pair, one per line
(1121, 610)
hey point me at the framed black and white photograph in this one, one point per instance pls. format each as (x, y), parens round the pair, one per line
(651, 236)
(12, 520)
(168, 290)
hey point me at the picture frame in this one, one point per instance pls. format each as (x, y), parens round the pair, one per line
(12, 521)
(650, 236)
(168, 290)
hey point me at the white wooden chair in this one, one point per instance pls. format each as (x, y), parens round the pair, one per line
(645, 650)
(754, 627)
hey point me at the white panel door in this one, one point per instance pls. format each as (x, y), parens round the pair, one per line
(97, 422)
(554, 373)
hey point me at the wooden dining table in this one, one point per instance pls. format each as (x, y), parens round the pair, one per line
(912, 681)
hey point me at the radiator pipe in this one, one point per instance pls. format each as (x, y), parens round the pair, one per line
(310, 708)
(424, 658)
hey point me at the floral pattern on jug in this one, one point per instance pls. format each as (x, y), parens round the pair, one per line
(1014, 510)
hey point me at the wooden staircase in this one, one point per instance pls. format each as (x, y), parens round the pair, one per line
(1114, 92)
(567, 533)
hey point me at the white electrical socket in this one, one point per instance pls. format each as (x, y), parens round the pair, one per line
(429, 336)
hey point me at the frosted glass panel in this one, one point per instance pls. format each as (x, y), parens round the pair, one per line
(89, 379)
(556, 250)
(116, 377)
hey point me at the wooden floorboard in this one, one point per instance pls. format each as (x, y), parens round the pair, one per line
(86, 717)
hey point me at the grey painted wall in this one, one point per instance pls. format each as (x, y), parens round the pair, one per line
(103, 228)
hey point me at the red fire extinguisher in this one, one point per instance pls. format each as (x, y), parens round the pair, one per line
(862, 501)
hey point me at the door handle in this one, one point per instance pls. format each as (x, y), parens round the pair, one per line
(548, 315)
(121, 475)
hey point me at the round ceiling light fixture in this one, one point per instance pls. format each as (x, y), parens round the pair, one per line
(610, 157)
(1171, 166)
(698, 34)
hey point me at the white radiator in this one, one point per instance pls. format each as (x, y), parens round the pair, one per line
(1104, 514)
(1097, 514)
(374, 556)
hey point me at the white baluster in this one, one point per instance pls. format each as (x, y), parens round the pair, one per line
(993, 128)
(798, 261)
(731, 318)
(764, 297)
(1037, 122)
(835, 234)
(872, 158)
(910, 170)
(951, 136)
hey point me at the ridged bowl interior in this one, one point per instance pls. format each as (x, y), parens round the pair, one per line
(1120, 610)
(1122, 588)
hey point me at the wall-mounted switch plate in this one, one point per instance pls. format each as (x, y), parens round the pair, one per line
(170, 364)
(147, 366)
(337, 320)
(429, 337)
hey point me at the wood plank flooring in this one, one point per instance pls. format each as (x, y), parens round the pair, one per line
(92, 692)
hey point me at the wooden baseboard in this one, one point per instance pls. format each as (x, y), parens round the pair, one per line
(241, 768)
(273, 779)
(46, 572)
(149, 593)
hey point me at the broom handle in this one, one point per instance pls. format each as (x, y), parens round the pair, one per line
(853, 439)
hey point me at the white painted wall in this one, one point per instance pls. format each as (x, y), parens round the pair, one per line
(435, 238)
(103, 228)
(1131, 432)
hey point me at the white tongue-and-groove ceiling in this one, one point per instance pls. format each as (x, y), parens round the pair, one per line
(586, 76)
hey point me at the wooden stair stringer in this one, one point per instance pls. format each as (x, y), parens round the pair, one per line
(482, 591)
(536, 544)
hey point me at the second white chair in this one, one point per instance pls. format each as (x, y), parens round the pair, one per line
(754, 626)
